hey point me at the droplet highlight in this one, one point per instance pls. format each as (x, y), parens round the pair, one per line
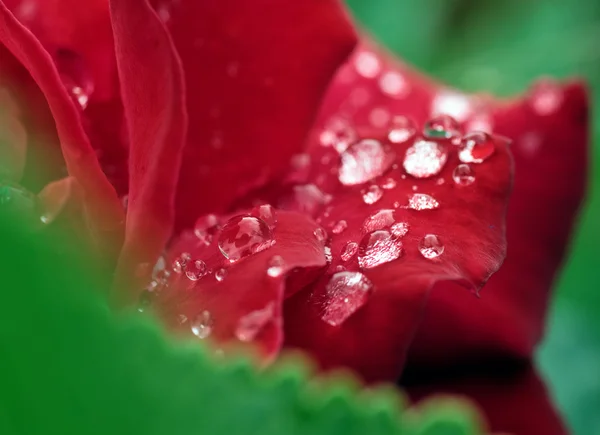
(364, 161)
(378, 247)
(425, 159)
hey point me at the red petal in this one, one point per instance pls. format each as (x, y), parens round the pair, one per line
(514, 400)
(253, 89)
(250, 295)
(157, 127)
(103, 205)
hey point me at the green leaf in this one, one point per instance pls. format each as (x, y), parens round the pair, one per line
(69, 365)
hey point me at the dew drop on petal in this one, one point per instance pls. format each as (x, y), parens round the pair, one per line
(425, 159)
(320, 234)
(242, 236)
(266, 213)
(463, 175)
(372, 194)
(399, 229)
(389, 183)
(379, 220)
(393, 84)
(364, 161)
(546, 97)
(377, 248)
(221, 274)
(443, 126)
(346, 292)
(205, 227)
(181, 262)
(431, 246)
(401, 129)
(327, 253)
(476, 147)
(339, 227)
(195, 270)
(338, 134)
(202, 325)
(276, 266)
(367, 64)
(251, 324)
(422, 201)
(349, 251)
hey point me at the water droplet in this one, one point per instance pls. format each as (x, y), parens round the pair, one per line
(367, 64)
(476, 147)
(400, 229)
(251, 324)
(443, 126)
(379, 220)
(388, 183)
(431, 246)
(364, 161)
(266, 213)
(320, 234)
(339, 227)
(393, 84)
(396, 204)
(276, 266)
(401, 129)
(346, 292)
(463, 175)
(379, 117)
(205, 228)
(242, 236)
(377, 248)
(181, 262)
(546, 97)
(338, 134)
(328, 255)
(372, 194)
(349, 251)
(195, 270)
(221, 274)
(425, 159)
(422, 201)
(202, 325)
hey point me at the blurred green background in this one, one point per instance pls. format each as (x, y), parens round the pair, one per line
(501, 46)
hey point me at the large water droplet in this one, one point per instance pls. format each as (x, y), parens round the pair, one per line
(266, 213)
(276, 266)
(546, 97)
(431, 246)
(372, 194)
(338, 134)
(367, 64)
(443, 126)
(242, 236)
(425, 159)
(195, 270)
(377, 248)
(251, 324)
(349, 251)
(346, 292)
(378, 220)
(401, 129)
(476, 147)
(463, 175)
(364, 161)
(422, 201)
(202, 325)
(205, 228)
(339, 227)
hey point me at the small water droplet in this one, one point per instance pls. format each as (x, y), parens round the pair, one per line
(266, 213)
(377, 248)
(422, 201)
(389, 183)
(401, 129)
(221, 274)
(251, 324)
(379, 220)
(396, 204)
(276, 266)
(328, 255)
(338, 134)
(242, 236)
(476, 147)
(367, 64)
(379, 117)
(443, 126)
(425, 159)
(546, 97)
(393, 84)
(320, 234)
(463, 175)
(346, 292)
(202, 325)
(372, 194)
(431, 246)
(339, 227)
(195, 270)
(205, 228)
(181, 262)
(399, 229)
(349, 251)
(364, 161)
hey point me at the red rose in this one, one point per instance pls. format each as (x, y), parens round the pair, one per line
(308, 193)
